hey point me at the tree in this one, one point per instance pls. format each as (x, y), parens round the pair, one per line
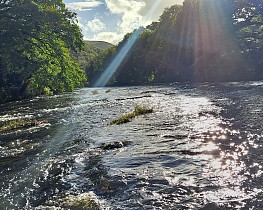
(248, 22)
(203, 40)
(36, 39)
(96, 66)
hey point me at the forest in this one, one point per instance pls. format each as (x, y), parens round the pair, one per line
(42, 49)
(201, 40)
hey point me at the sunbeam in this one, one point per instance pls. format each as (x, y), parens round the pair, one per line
(215, 48)
(115, 63)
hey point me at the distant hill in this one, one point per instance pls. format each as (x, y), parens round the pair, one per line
(99, 44)
(91, 50)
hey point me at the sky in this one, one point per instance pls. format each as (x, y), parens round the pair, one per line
(110, 20)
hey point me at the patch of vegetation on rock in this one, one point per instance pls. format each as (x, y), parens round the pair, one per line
(81, 202)
(138, 110)
(18, 123)
(95, 92)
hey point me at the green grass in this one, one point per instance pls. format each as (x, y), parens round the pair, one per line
(138, 110)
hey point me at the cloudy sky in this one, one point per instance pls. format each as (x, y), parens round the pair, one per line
(110, 20)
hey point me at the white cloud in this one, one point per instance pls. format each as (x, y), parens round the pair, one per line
(96, 25)
(129, 9)
(132, 14)
(137, 13)
(123, 6)
(130, 17)
(83, 5)
(83, 26)
(80, 19)
(152, 12)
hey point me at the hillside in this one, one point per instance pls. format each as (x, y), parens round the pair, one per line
(99, 44)
(91, 50)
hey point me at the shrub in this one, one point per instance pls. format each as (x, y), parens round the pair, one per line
(48, 91)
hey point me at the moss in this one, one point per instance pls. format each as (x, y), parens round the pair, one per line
(95, 92)
(80, 202)
(138, 110)
(142, 109)
(123, 119)
(15, 124)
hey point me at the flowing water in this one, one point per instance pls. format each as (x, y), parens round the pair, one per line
(200, 149)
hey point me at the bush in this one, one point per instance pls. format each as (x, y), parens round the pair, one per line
(48, 91)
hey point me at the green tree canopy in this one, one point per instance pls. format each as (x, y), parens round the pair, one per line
(37, 37)
(248, 21)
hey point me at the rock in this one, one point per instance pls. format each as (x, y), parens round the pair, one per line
(211, 206)
(113, 145)
(81, 202)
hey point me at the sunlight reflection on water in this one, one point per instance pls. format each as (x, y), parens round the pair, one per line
(211, 140)
(225, 168)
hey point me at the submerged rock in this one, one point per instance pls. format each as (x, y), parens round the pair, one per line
(114, 145)
(210, 206)
(83, 201)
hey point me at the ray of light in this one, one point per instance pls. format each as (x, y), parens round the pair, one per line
(115, 63)
(212, 38)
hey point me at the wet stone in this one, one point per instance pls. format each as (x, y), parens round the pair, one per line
(211, 206)
(114, 145)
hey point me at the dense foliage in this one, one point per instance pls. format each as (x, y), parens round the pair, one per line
(202, 40)
(37, 41)
(92, 56)
(95, 67)
(87, 54)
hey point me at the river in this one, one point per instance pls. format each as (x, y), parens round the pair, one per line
(200, 149)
